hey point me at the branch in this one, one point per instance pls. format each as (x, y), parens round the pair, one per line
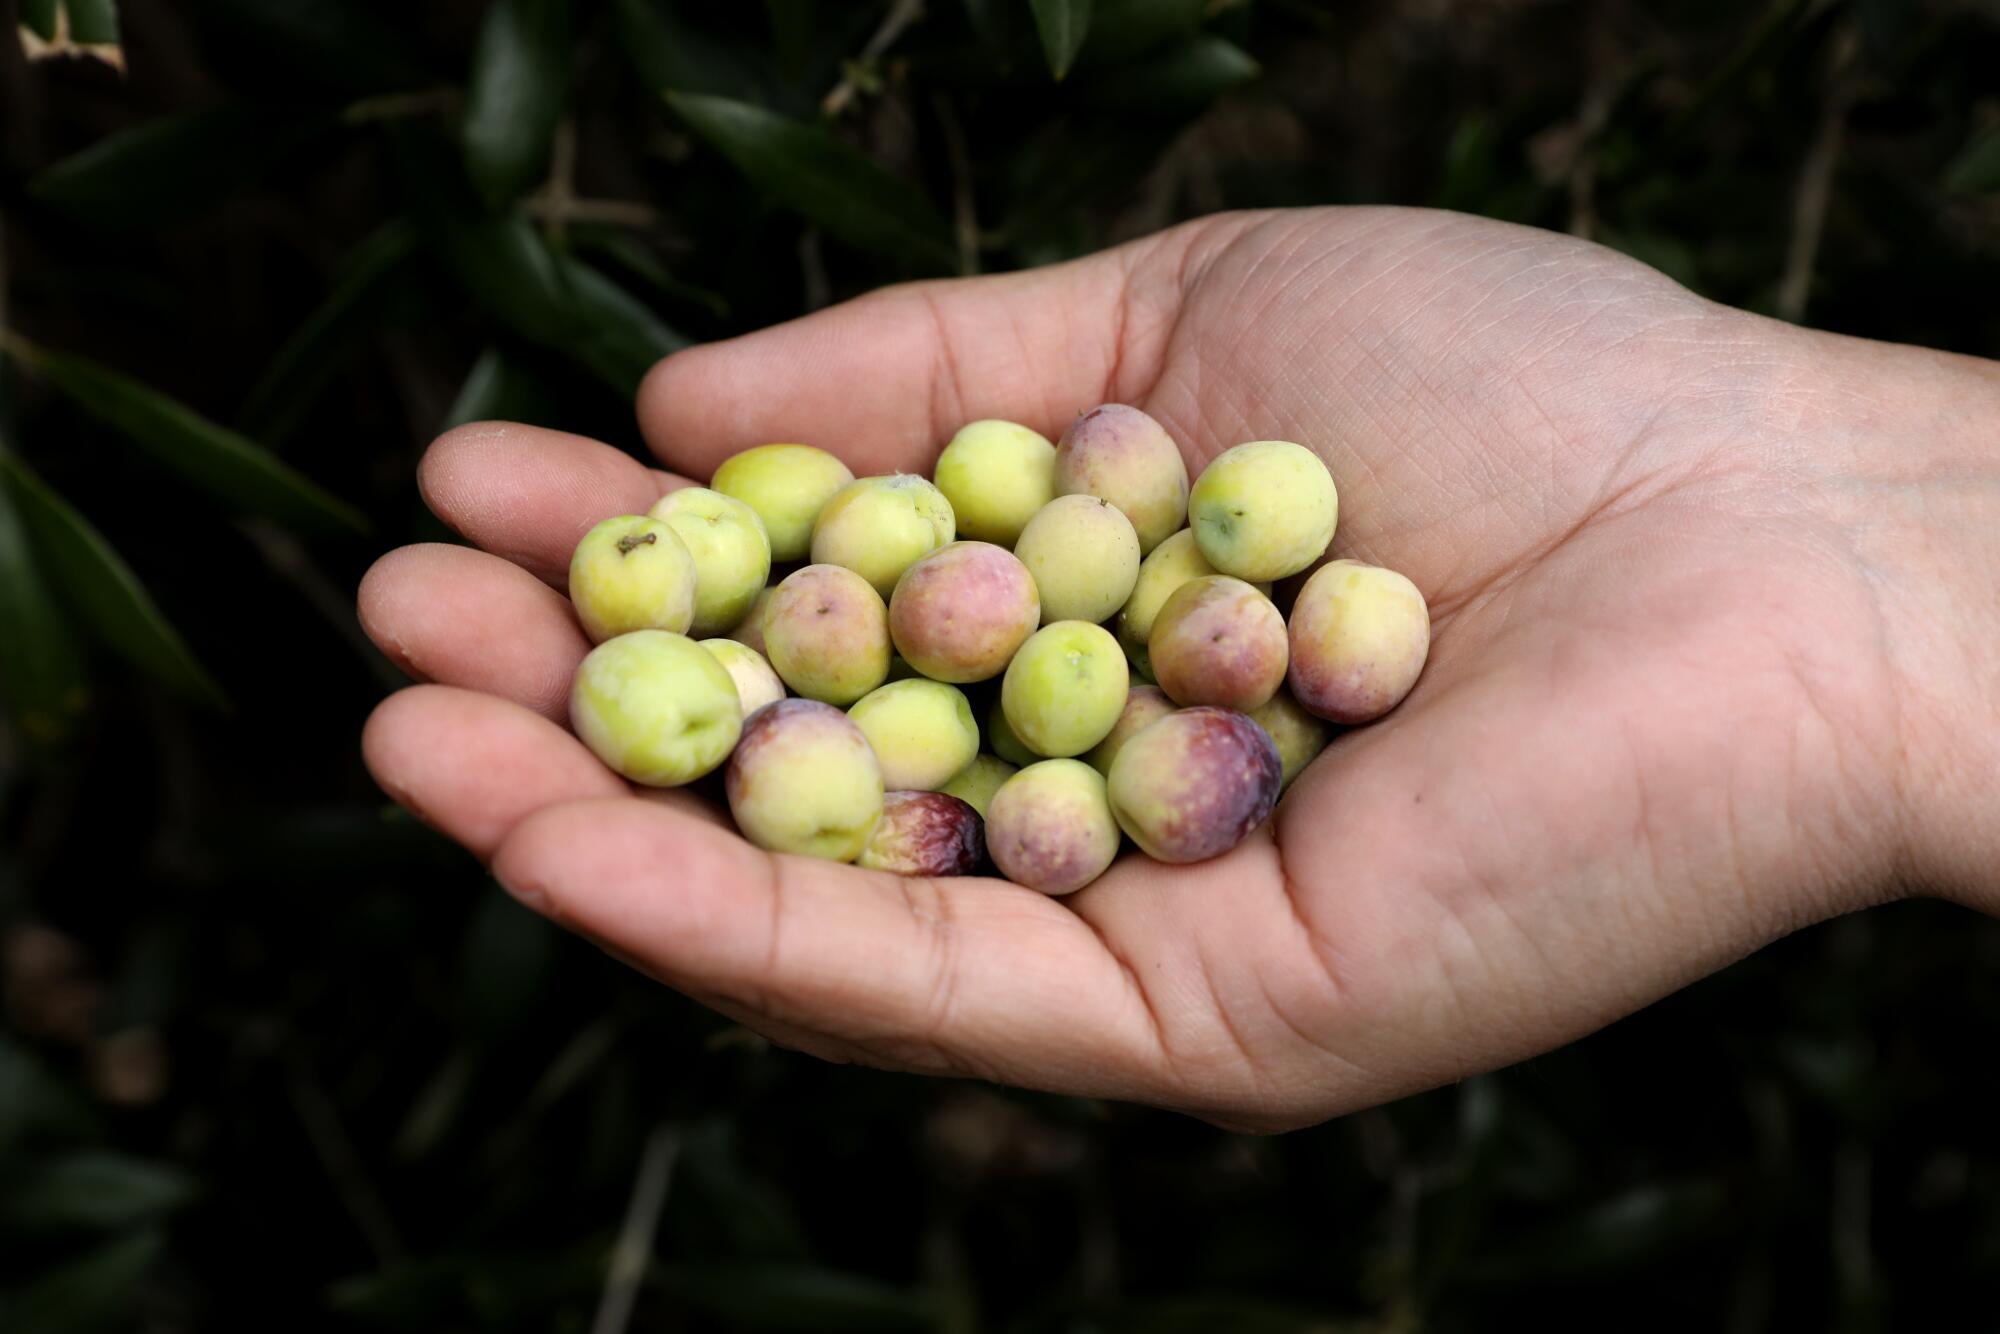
(1815, 188)
(634, 1247)
(900, 16)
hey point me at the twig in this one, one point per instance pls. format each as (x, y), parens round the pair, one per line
(1816, 183)
(1850, 1240)
(560, 192)
(812, 267)
(1591, 118)
(900, 16)
(634, 1247)
(963, 206)
(338, 1157)
(287, 555)
(555, 212)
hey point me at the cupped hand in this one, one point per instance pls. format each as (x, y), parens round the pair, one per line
(1683, 695)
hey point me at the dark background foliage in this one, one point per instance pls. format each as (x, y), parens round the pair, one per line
(274, 1057)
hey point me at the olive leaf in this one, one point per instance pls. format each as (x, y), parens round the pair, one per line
(92, 1189)
(42, 671)
(93, 1292)
(167, 168)
(233, 469)
(520, 70)
(372, 275)
(1063, 24)
(671, 55)
(101, 587)
(500, 388)
(813, 173)
(1976, 169)
(71, 27)
(1179, 79)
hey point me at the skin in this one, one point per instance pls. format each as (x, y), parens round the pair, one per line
(749, 631)
(961, 613)
(1195, 784)
(787, 485)
(978, 781)
(997, 475)
(631, 573)
(1299, 736)
(1143, 705)
(756, 684)
(1084, 557)
(732, 557)
(925, 833)
(880, 526)
(1000, 738)
(1264, 510)
(1521, 853)
(1050, 828)
(1118, 453)
(1219, 641)
(803, 780)
(922, 731)
(827, 634)
(1166, 567)
(1359, 638)
(656, 707)
(1065, 688)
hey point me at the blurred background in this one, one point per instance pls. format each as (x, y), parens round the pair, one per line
(275, 1057)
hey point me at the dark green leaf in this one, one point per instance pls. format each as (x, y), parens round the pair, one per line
(79, 22)
(41, 672)
(334, 46)
(85, 1294)
(93, 22)
(1179, 80)
(476, 1290)
(628, 254)
(101, 587)
(1976, 169)
(725, 1210)
(168, 168)
(39, 17)
(1639, 1225)
(672, 56)
(549, 299)
(35, 1104)
(92, 1190)
(1063, 25)
(1121, 29)
(378, 270)
(436, 1108)
(798, 1299)
(519, 72)
(791, 33)
(235, 470)
(504, 964)
(500, 388)
(807, 169)
(616, 334)
(1238, 1315)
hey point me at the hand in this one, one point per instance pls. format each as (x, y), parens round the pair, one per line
(1714, 631)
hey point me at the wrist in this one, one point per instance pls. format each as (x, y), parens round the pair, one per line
(1912, 438)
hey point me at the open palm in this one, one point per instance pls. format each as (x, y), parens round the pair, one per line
(1651, 736)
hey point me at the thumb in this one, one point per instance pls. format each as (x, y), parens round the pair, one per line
(884, 380)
